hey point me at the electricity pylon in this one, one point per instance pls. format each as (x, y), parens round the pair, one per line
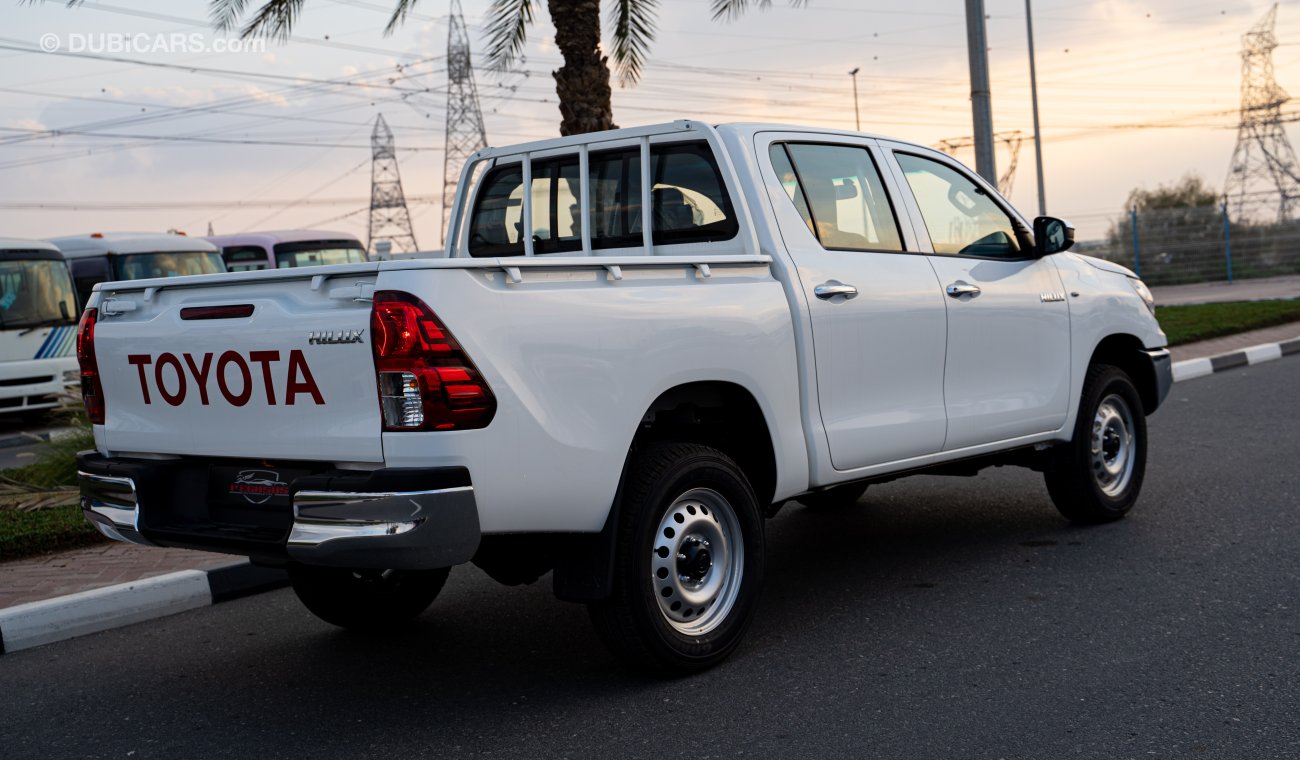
(1263, 178)
(389, 218)
(1011, 139)
(465, 131)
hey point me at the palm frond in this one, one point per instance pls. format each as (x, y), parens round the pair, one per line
(730, 10)
(274, 20)
(225, 13)
(507, 29)
(633, 23)
(403, 9)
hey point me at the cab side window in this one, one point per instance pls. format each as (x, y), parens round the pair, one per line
(839, 194)
(687, 193)
(959, 215)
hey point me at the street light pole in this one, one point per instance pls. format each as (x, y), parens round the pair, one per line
(980, 97)
(1033, 93)
(857, 118)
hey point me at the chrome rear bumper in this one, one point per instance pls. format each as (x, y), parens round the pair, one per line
(395, 529)
(110, 504)
(406, 519)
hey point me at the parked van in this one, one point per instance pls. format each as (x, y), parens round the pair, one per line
(38, 326)
(285, 249)
(109, 256)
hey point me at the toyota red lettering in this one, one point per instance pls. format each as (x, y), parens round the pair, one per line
(235, 379)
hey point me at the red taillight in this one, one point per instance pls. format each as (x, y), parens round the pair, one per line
(426, 382)
(92, 393)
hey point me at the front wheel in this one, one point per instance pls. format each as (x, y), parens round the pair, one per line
(369, 600)
(688, 561)
(1097, 476)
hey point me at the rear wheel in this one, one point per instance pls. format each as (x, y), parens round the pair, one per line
(371, 600)
(1097, 476)
(688, 561)
(836, 497)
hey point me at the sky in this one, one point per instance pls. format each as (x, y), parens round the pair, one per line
(184, 129)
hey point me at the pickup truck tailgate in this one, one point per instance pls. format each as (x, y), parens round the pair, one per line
(251, 368)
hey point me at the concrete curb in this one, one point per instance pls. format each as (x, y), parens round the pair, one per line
(65, 617)
(1264, 352)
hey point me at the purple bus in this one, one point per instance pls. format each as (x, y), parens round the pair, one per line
(284, 249)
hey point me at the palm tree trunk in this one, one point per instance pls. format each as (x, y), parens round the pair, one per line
(583, 81)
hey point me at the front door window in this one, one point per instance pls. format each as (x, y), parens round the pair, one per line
(959, 214)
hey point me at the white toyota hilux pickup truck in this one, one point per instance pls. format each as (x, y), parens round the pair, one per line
(640, 344)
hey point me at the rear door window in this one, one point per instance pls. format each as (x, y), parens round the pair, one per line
(838, 192)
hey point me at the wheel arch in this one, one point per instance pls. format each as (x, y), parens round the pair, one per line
(1125, 351)
(721, 414)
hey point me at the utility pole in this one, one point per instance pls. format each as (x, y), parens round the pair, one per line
(1033, 93)
(857, 118)
(980, 96)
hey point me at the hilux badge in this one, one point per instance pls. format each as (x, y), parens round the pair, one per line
(332, 337)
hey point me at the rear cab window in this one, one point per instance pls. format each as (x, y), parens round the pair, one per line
(689, 202)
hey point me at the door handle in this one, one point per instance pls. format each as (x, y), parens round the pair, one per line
(961, 288)
(828, 290)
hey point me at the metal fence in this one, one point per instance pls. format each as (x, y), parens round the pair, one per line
(1197, 244)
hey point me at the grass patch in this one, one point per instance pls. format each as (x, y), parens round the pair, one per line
(56, 465)
(36, 517)
(26, 534)
(1193, 322)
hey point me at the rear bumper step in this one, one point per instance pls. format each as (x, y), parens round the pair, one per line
(407, 518)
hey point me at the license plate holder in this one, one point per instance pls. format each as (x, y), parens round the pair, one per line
(252, 486)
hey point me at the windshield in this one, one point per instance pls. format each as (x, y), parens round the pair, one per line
(317, 256)
(36, 292)
(140, 266)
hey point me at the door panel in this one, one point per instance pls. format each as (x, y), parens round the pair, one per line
(1008, 368)
(1007, 372)
(879, 349)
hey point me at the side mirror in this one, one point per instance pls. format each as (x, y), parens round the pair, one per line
(1052, 235)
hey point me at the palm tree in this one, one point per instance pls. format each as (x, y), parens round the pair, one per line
(582, 83)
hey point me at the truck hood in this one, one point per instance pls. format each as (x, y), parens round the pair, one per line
(1105, 266)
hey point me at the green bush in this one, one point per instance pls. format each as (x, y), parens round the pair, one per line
(24, 534)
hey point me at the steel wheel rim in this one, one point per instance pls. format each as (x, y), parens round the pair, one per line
(1113, 448)
(696, 561)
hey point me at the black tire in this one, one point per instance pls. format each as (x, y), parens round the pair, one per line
(665, 481)
(1081, 484)
(835, 497)
(366, 600)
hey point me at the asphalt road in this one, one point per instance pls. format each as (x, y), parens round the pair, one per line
(943, 617)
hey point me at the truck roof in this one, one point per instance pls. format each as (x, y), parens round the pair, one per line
(97, 243)
(20, 244)
(683, 125)
(272, 237)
